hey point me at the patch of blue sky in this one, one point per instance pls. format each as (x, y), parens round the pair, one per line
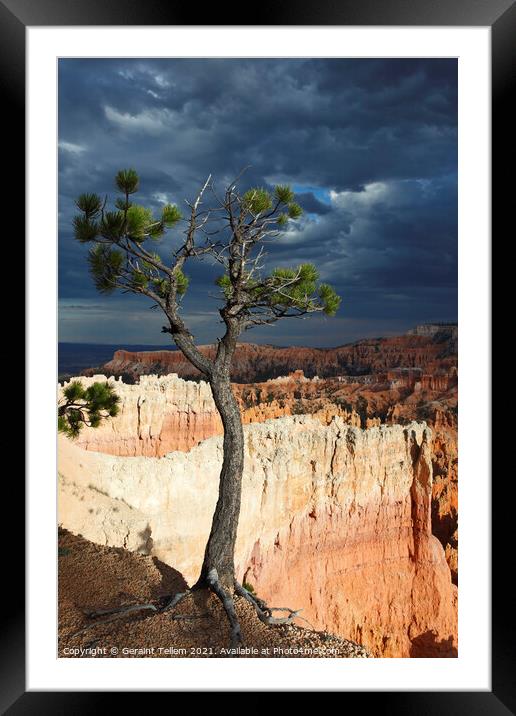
(320, 193)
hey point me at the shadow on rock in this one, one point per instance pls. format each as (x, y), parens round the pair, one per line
(427, 646)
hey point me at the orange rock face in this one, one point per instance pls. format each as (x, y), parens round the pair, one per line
(380, 574)
(157, 416)
(335, 520)
(255, 363)
(382, 571)
(160, 415)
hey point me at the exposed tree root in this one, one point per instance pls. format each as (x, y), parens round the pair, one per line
(115, 614)
(174, 601)
(119, 612)
(188, 617)
(229, 606)
(263, 611)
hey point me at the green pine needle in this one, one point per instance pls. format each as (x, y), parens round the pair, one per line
(74, 391)
(171, 215)
(106, 265)
(139, 220)
(284, 194)
(257, 200)
(182, 282)
(294, 210)
(127, 181)
(86, 406)
(112, 225)
(90, 204)
(85, 230)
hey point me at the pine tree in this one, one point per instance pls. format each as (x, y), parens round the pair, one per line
(82, 406)
(233, 230)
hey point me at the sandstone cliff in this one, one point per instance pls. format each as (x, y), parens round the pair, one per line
(156, 416)
(335, 519)
(162, 414)
(430, 352)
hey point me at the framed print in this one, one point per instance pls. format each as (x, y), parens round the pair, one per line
(257, 287)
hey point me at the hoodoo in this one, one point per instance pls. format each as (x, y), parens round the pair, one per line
(335, 520)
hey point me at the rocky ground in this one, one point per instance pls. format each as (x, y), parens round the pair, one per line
(94, 577)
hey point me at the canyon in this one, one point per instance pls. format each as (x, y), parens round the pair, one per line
(350, 506)
(432, 348)
(161, 414)
(335, 520)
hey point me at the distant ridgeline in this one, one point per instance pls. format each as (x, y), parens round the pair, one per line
(431, 348)
(449, 330)
(76, 357)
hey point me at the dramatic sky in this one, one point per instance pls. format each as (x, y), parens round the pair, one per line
(370, 146)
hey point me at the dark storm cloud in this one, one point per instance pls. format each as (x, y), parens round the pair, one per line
(370, 145)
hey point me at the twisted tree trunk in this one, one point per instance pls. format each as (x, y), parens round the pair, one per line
(219, 556)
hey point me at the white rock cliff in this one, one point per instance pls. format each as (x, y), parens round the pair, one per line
(335, 520)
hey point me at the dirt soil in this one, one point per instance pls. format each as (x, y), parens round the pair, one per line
(94, 577)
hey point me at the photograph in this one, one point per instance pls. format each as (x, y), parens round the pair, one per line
(257, 380)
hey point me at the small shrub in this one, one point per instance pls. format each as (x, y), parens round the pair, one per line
(249, 588)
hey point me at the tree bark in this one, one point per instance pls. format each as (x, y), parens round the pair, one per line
(220, 549)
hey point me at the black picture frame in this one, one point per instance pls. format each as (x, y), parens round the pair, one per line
(500, 16)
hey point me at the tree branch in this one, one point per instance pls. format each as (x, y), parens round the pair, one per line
(184, 341)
